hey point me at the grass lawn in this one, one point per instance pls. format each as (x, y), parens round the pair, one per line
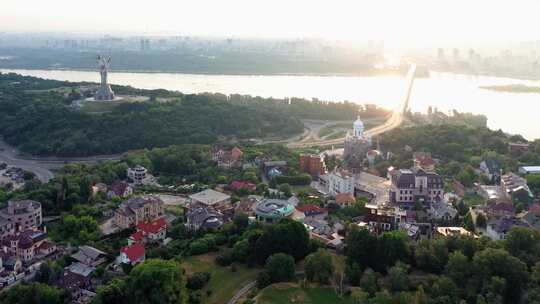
(285, 293)
(337, 135)
(325, 131)
(223, 282)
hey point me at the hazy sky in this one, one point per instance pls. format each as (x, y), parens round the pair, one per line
(416, 20)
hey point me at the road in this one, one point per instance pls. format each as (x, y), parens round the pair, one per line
(393, 122)
(42, 166)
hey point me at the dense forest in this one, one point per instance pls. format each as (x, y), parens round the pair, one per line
(41, 121)
(198, 62)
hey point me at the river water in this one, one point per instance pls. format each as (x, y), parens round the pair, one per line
(512, 112)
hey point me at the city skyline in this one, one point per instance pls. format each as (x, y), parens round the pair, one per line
(416, 21)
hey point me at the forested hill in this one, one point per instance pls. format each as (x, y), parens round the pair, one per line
(43, 123)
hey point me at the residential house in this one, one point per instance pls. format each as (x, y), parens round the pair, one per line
(29, 246)
(458, 188)
(322, 231)
(227, 159)
(6, 227)
(492, 169)
(152, 231)
(202, 218)
(132, 254)
(209, 197)
(137, 174)
(139, 209)
(529, 170)
(518, 148)
(452, 231)
(275, 168)
(345, 199)
(381, 218)
(499, 228)
(99, 188)
(314, 211)
(515, 187)
(492, 193)
(23, 215)
(341, 181)
(531, 217)
(312, 164)
(412, 230)
(90, 256)
(423, 161)
(119, 189)
(411, 186)
(500, 209)
(239, 184)
(76, 284)
(442, 211)
(273, 210)
(81, 269)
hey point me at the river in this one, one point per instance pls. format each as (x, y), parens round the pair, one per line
(512, 112)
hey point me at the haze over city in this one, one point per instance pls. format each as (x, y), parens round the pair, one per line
(269, 152)
(415, 21)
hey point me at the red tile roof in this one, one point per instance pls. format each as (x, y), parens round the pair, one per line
(311, 209)
(152, 227)
(237, 185)
(345, 198)
(133, 252)
(137, 236)
(425, 160)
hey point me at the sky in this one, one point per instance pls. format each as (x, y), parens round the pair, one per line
(398, 20)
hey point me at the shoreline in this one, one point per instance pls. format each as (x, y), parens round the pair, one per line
(329, 74)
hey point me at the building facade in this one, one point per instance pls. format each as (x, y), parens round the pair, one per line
(312, 164)
(341, 181)
(20, 216)
(138, 174)
(139, 209)
(273, 210)
(356, 146)
(411, 186)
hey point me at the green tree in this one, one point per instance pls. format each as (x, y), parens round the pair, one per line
(431, 255)
(392, 247)
(36, 293)
(458, 268)
(360, 247)
(399, 278)
(359, 297)
(319, 266)
(468, 222)
(113, 292)
(369, 281)
(481, 220)
(157, 281)
(523, 243)
(287, 236)
(85, 189)
(490, 263)
(286, 189)
(280, 267)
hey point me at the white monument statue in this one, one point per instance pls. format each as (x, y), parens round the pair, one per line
(105, 92)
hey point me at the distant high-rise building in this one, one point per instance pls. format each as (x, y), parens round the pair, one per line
(440, 54)
(145, 44)
(456, 54)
